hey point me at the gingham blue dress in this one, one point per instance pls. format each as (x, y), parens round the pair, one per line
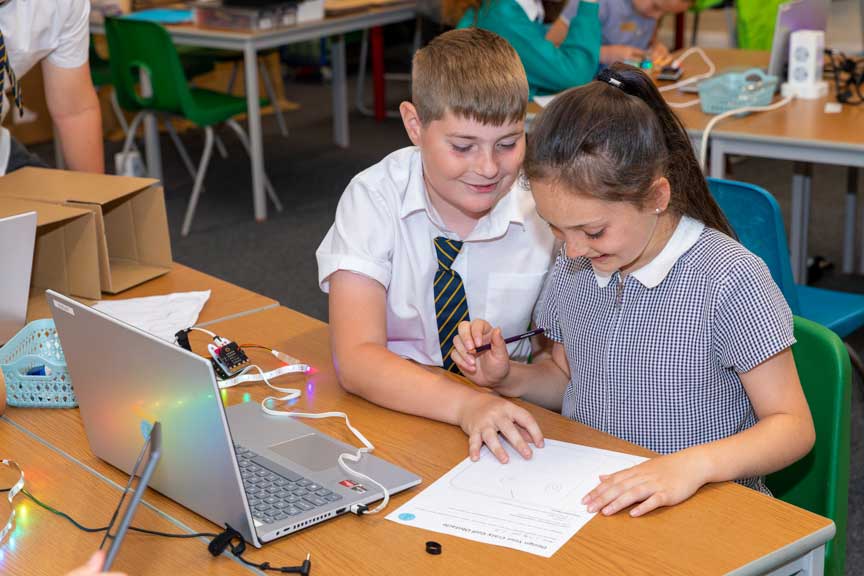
(659, 366)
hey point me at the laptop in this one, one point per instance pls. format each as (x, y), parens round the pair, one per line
(17, 239)
(791, 17)
(152, 450)
(265, 476)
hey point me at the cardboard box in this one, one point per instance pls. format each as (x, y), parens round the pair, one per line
(131, 223)
(66, 258)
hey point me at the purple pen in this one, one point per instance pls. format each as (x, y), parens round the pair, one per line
(516, 338)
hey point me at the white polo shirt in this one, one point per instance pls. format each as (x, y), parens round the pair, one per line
(384, 229)
(58, 30)
(55, 30)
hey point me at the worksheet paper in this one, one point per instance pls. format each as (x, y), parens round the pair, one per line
(530, 505)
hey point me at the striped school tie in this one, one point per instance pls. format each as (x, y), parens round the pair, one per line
(7, 74)
(451, 305)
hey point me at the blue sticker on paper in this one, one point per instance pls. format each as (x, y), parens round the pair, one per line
(406, 516)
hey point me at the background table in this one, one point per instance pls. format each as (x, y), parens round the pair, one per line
(801, 132)
(250, 43)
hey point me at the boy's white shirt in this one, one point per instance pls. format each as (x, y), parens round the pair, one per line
(384, 229)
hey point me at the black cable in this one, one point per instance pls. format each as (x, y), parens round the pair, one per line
(226, 540)
(105, 528)
(61, 514)
(217, 545)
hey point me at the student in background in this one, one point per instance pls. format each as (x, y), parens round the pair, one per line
(56, 35)
(555, 57)
(436, 233)
(630, 29)
(667, 332)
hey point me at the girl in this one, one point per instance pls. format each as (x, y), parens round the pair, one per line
(667, 332)
(556, 57)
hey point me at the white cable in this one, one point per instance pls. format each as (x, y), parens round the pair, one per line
(686, 104)
(677, 63)
(368, 448)
(703, 146)
(243, 376)
(10, 496)
(205, 331)
(291, 394)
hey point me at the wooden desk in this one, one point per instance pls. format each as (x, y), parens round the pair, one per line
(225, 300)
(723, 528)
(43, 543)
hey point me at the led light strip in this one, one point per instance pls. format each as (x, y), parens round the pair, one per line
(19, 485)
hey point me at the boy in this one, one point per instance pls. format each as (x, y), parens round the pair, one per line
(630, 29)
(438, 233)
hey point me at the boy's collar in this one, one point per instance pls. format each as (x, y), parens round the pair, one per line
(533, 9)
(650, 275)
(509, 209)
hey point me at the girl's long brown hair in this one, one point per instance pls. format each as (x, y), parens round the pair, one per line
(612, 138)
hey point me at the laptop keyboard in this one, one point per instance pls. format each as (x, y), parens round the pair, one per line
(275, 492)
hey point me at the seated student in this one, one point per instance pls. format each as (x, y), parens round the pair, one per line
(630, 29)
(436, 233)
(555, 58)
(667, 332)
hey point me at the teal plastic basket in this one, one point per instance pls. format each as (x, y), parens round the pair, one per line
(735, 90)
(36, 348)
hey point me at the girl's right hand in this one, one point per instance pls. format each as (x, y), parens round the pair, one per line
(488, 368)
(611, 53)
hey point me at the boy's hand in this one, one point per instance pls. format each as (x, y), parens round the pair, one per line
(94, 567)
(486, 368)
(662, 481)
(486, 415)
(660, 54)
(612, 53)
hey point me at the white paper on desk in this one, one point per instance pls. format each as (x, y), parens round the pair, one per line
(530, 505)
(162, 316)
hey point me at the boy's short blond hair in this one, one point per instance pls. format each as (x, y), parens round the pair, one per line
(473, 73)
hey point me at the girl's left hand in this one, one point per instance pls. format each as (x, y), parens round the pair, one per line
(662, 481)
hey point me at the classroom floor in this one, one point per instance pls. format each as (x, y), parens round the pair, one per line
(276, 258)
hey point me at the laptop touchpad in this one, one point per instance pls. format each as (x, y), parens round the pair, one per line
(312, 451)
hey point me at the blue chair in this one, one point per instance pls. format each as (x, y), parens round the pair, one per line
(755, 216)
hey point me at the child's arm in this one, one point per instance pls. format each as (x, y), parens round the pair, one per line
(542, 382)
(358, 331)
(552, 68)
(783, 435)
(611, 53)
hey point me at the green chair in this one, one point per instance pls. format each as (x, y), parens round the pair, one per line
(819, 482)
(140, 47)
(193, 65)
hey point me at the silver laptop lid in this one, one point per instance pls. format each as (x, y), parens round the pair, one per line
(124, 379)
(17, 238)
(791, 17)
